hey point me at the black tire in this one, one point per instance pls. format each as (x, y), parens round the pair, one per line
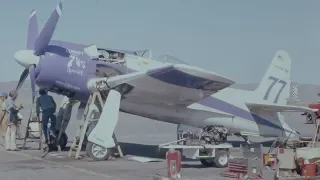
(221, 159)
(209, 162)
(90, 152)
(63, 141)
(310, 118)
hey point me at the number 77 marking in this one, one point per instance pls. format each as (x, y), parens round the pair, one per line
(275, 80)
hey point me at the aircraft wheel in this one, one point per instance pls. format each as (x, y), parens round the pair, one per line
(222, 159)
(310, 118)
(96, 152)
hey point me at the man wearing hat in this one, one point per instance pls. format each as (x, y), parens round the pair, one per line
(13, 119)
(3, 113)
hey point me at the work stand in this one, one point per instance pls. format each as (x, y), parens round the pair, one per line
(316, 134)
(83, 125)
(28, 133)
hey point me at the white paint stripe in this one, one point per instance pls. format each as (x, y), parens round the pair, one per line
(60, 164)
(58, 9)
(32, 14)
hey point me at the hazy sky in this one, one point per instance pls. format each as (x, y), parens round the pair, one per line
(237, 39)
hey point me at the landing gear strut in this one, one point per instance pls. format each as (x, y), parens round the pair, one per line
(248, 142)
(103, 133)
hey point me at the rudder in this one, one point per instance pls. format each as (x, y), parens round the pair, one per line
(275, 85)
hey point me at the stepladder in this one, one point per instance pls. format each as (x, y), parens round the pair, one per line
(33, 131)
(86, 118)
(316, 134)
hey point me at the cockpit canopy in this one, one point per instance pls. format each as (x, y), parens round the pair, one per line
(117, 56)
(170, 59)
(142, 53)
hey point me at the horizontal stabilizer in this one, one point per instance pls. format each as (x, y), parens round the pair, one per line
(278, 108)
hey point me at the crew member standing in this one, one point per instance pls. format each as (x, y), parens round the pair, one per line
(13, 119)
(48, 107)
(3, 114)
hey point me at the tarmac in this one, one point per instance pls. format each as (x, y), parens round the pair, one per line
(138, 136)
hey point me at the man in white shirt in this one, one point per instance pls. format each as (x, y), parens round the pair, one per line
(13, 119)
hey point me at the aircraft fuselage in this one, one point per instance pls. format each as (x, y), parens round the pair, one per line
(67, 70)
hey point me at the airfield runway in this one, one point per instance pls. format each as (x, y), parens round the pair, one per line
(139, 137)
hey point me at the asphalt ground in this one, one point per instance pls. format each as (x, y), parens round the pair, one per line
(138, 136)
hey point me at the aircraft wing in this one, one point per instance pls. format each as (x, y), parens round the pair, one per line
(177, 84)
(278, 108)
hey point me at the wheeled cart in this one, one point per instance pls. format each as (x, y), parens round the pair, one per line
(208, 154)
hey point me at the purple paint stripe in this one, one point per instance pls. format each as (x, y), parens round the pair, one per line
(161, 70)
(232, 109)
(179, 78)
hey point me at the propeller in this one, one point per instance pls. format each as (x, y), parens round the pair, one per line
(36, 46)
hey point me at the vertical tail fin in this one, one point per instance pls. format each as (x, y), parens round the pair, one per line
(275, 85)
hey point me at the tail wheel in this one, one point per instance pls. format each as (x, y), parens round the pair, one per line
(311, 118)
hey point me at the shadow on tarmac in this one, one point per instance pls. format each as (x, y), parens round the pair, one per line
(152, 151)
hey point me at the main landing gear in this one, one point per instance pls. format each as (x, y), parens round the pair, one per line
(101, 138)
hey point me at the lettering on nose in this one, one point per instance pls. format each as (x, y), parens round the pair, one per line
(75, 64)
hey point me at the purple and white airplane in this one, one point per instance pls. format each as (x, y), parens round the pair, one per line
(165, 89)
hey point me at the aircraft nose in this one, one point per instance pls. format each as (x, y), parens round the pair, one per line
(26, 58)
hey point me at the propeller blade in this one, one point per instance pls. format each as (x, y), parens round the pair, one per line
(48, 30)
(23, 77)
(33, 30)
(92, 51)
(32, 81)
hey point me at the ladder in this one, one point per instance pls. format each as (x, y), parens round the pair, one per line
(33, 119)
(316, 134)
(82, 128)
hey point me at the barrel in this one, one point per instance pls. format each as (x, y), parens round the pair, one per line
(309, 170)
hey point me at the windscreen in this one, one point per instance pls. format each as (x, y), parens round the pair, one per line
(170, 59)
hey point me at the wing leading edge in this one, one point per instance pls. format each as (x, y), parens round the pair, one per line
(177, 84)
